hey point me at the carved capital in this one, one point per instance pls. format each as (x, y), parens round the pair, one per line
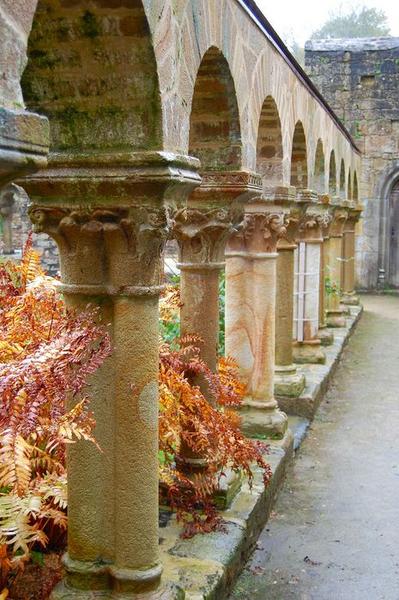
(202, 234)
(109, 250)
(259, 233)
(353, 217)
(292, 221)
(309, 227)
(110, 215)
(339, 218)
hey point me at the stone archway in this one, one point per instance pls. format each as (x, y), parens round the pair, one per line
(389, 231)
(299, 169)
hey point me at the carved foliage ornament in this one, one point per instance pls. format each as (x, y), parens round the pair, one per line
(260, 232)
(110, 245)
(202, 234)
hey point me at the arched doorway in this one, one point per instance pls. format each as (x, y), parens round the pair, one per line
(392, 273)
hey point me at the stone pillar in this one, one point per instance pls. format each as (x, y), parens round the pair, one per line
(288, 381)
(202, 229)
(307, 346)
(335, 313)
(325, 336)
(110, 230)
(349, 240)
(6, 213)
(251, 260)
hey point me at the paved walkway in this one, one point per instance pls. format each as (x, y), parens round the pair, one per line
(334, 533)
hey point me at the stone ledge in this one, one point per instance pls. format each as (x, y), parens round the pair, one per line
(206, 566)
(318, 376)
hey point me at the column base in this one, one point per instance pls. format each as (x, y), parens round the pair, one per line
(326, 337)
(350, 299)
(263, 420)
(336, 318)
(94, 581)
(63, 592)
(288, 382)
(309, 353)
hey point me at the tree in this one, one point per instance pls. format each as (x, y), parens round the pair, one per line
(359, 22)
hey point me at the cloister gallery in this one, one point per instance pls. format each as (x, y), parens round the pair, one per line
(130, 123)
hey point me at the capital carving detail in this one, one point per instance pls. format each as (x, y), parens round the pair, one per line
(202, 233)
(259, 233)
(114, 247)
(338, 222)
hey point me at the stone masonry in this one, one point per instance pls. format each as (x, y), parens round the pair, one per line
(360, 80)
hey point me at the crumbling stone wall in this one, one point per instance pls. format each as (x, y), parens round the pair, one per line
(360, 80)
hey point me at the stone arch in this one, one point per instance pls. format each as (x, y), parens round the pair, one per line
(269, 151)
(355, 187)
(350, 189)
(388, 191)
(332, 177)
(92, 70)
(342, 179)
(319, 168)
(299, 167)
(215, 135)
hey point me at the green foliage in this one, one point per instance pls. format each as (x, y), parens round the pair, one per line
(361, 21)
(331, 287)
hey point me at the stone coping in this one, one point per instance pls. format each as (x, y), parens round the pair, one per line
(206, 566)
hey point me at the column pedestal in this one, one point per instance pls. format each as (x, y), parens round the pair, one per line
(250, 318)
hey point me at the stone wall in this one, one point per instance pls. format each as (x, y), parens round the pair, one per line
(360, 80)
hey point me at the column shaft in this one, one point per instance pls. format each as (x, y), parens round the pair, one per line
(91, 476)
(250, 319)
(307, 347)
(285, 306)
(199, 313)
(136, 335)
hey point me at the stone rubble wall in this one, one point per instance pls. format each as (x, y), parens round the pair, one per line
(360, 80)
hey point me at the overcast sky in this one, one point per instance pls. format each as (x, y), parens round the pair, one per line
(301, 17)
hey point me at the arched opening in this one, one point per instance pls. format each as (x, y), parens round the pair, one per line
(355, 187)
(92, 70)
(299, 167)
(269, 151)
(214, 123)
(350, 193)
(393, 233)
(332, 178)
(342, 178)
(319, 169)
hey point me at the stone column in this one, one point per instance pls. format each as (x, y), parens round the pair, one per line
(325, 336)
(288, 381)
(110, 216)
(251, 260)
(335, 313)
(202, 229)
(6, 214)
(307, 346)
(349, 240)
